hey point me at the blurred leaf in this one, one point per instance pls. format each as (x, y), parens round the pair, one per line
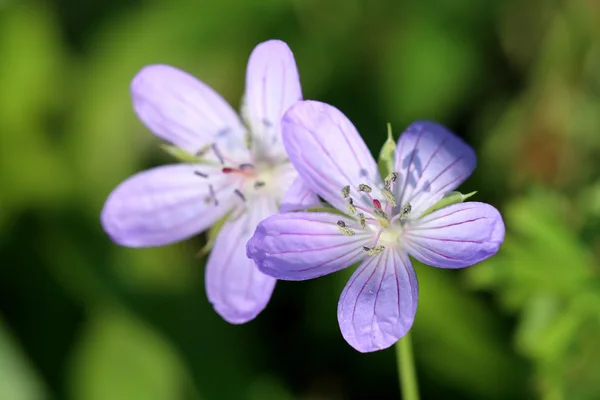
(32, 169)
(456, 337)
(268, 388)
(119, 357)
(18, 380)
(428, 72)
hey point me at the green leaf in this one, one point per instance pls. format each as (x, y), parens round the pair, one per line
(448, 199)
(19, 380)
(386, 155)
(119, 357)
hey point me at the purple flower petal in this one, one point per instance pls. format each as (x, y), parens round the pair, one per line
(327, 151)
(431, 161)
(183, 110)
(299, 197)
(299, 246)
(236, 288)
(379, 303)
(456, 236)
(272, 86)
(166, 204)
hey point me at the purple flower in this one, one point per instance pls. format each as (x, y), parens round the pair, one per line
(380, 220)
(237, 169)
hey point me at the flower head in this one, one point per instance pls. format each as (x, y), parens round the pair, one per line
(236, 169)
(381, 220)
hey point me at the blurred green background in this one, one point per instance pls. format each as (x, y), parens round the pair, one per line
(81, 318)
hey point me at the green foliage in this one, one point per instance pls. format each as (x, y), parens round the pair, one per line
(519, 81)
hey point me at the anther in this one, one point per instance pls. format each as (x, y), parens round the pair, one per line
(246, 166)
(212, 196)
(350, 205)
(227, 170)
(201, 174)
(376, 204)
(217, 152)
(240, 194)
(344, 229)
(389, 196)
(258, 184)
(391, 178)
(346, 191)
(364, 188)
(406, 209)
(203, 150)
(373, 250)
(362, 219)
(381, 214)
(248, 140)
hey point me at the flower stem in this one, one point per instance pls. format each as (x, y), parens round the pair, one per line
(406, 369)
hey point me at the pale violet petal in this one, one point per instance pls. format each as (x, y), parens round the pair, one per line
(166, 204)
(379, 303)
(299, 197)
(181, 109)
(456, 236)
(236, 288)
(431, 161)
(272, 86)
(299, 245)
(328, 152)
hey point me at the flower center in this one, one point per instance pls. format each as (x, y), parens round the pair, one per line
(384, 219)
(245, 179)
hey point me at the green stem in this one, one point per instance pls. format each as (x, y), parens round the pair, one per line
(406, 369)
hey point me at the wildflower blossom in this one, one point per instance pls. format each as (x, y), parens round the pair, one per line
(377, 221)
(235, 169)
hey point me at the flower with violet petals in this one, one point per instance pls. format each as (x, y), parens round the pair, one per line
(234, 170)
(377, 221)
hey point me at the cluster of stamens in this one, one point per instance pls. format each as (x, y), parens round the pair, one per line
(379, 214)
(245, 169)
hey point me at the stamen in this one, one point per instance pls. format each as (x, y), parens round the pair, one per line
(246, 166)
(376, 204)
(364, 188)
(389, 196)
(391, 178)
(406, 209)
(344, 229)
(372, 251)
(362, 219)
(201, 174)
(350, 205)
(203, 150)
(240, 194)
(217, 152)
(248, 140)
(212, 196)
(381, 214)
(346, 191)
(258, 184)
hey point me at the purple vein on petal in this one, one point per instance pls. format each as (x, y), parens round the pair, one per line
(373, 339)
(349, 256)
(445, 226)
(410, 164)
(301, 251)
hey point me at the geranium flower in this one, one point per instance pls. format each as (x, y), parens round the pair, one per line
(235, 169)
(377, 221)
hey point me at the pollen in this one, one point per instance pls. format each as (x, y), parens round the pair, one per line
(344, 229)
(346, 191)
(372, 251)
(389, 196)
(350, 205)
(364, 188)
